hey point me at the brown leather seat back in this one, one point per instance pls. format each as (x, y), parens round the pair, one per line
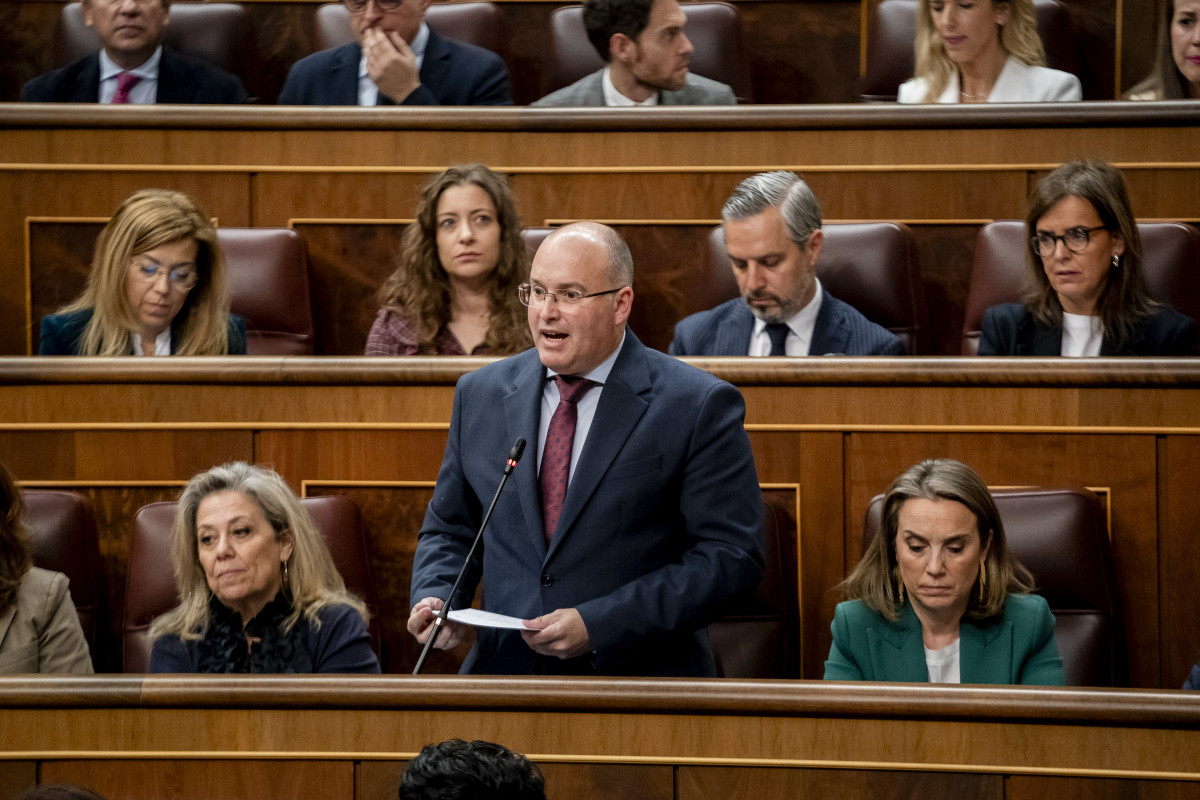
(894, 31)
(1170, 269)
(215, 32)
(478, 23)
(268, 278)
(758, 636)
(715, 29)
(64, 539)
(872, 266)
(151, 590)
(1060, 535)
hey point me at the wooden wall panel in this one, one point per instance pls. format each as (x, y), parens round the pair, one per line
(608, 781)
(16, 777)
(348, 263)
(703, 783)
(60, 258)
(206, 779)
(1178, 557)
(1034, 787)
(1126, 465)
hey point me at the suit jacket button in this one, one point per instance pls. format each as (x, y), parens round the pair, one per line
(547, 580)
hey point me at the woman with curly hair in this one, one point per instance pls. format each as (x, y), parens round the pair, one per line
(455, 292)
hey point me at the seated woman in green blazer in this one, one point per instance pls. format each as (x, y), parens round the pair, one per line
(938, 597)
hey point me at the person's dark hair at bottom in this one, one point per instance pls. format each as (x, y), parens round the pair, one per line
(478, 770)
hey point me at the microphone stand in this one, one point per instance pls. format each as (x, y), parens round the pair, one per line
(514, 456)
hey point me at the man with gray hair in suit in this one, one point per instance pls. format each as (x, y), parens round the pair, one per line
(646, 55)
(773, 238)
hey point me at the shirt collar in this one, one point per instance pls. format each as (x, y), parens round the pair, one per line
(599, 373)
(804, 321)
(147, 70)
(613, 97)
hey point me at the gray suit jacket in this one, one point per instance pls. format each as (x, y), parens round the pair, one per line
(588, 91)
(39, 629)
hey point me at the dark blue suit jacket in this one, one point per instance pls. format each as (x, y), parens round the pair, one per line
(181, 79)
(453, 73)
(661, 527)
(61, 333)
(726, 331)
(1011, 330)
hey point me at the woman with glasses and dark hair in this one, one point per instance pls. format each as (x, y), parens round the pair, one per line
(1085, 294)
(157, 287)
(455, 291)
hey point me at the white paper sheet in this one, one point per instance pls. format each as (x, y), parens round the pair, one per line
(486, 619)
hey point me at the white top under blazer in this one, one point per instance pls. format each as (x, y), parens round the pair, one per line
(1018, 83)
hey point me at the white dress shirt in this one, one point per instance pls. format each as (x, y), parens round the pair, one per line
(585, 408)
(162, 343)
(800, 329)
(145, 93)
(944, 665)
(613, 97)
(1081, 335)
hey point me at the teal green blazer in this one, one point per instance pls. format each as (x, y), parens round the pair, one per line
(1017, 647)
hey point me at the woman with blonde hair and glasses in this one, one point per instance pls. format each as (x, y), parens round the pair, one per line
(983, 51)
(158, 286)
(455, 291)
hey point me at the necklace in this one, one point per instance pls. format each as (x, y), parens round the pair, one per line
(981, 95)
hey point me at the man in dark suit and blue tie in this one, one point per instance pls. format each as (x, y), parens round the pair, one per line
(773, 236)
(133, 65)
(624, 530)
(397, 60)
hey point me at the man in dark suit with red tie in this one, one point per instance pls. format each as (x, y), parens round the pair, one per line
(134, 66)
(635, 515)
(397, 60)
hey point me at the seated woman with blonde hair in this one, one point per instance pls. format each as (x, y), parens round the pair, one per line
(259, 589)
(39, 627)
(157, 287)
(938, 597)
(455, 291)
(983, 51)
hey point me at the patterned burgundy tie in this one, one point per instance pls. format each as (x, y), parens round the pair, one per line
(556, 455)
(125, 82)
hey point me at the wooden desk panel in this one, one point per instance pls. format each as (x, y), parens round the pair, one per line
(252, 737)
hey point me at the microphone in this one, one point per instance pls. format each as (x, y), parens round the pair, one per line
(514, 455)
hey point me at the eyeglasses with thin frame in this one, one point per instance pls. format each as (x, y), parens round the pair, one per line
(536, 296)
(1076, 239)
(182, 278)
(383, 5)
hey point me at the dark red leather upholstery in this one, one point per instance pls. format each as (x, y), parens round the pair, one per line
(1060, 535)
(870, 265)
(151, 591)
(715, 30)
(479, 23)
(215, 32)
(64, 539)
(759, 636)
(268, 280)
(894, 31)
(1170, 268)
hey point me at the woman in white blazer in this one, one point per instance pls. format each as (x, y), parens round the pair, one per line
(983, 51)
